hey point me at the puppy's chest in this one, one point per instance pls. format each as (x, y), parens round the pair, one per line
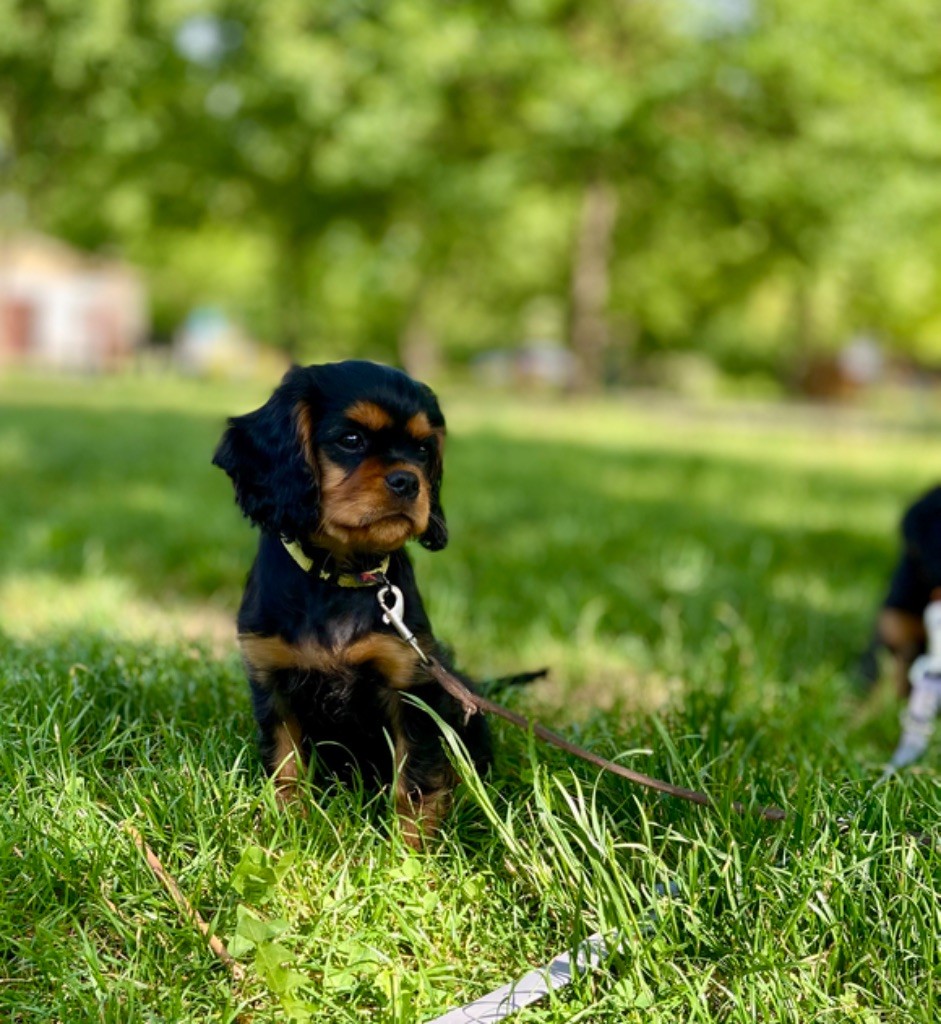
(341, 654)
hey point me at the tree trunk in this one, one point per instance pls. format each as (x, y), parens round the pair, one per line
(804, 326)
(807, 371)
(418, 349)
(591, 281)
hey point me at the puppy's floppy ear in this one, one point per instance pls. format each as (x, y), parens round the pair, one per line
(435, 536)
(267, 455)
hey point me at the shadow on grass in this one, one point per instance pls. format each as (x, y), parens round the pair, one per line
(91, 491)
(544, 533)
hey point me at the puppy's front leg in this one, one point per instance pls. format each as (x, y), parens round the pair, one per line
(420, 811)
(425, 778)
(279, 736)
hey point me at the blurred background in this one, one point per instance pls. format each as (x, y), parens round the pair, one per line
(710, 196)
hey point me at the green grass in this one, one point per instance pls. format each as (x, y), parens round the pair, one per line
(699, 587)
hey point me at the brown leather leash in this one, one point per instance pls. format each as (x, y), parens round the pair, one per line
(473, 703)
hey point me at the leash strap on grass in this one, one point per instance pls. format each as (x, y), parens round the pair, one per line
(473, 702)
(531, 987)
(392, 602)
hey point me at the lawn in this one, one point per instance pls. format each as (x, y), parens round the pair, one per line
(699, 583)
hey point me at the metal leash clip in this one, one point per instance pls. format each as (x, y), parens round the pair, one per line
(393, 615)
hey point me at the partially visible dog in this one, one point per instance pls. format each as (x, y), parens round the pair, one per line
(339, 469)
(916, 581)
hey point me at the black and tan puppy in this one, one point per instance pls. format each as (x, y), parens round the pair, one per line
(915, 582)
(339, 469)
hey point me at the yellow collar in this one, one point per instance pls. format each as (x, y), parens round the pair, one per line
(369, 578)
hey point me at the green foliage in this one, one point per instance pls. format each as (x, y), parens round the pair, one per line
(382, 177)
(257, 936)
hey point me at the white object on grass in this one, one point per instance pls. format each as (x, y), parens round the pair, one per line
(531, 987)
(919, 716)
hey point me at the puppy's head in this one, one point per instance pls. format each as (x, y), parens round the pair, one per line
(345, 456)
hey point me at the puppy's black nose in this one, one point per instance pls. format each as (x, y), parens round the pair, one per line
(402, 484)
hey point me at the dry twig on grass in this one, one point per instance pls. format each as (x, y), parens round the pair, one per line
(189, 911)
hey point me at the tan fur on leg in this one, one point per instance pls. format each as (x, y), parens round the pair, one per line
(288, 760)
(904, 634)
(420, 814)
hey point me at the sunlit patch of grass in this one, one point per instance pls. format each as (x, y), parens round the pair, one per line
(37, 605)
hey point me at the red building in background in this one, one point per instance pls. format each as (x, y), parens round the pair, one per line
(64, 309)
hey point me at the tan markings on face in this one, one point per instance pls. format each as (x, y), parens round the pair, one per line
(287, 761)
(359, 513)
(396, 663)
(420, 429)
(419, 426)
(369, 415)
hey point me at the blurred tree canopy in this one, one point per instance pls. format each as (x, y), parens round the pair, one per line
(752, 179)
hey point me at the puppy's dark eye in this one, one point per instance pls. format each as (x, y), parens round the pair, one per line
(352, 442)
(425, 448)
